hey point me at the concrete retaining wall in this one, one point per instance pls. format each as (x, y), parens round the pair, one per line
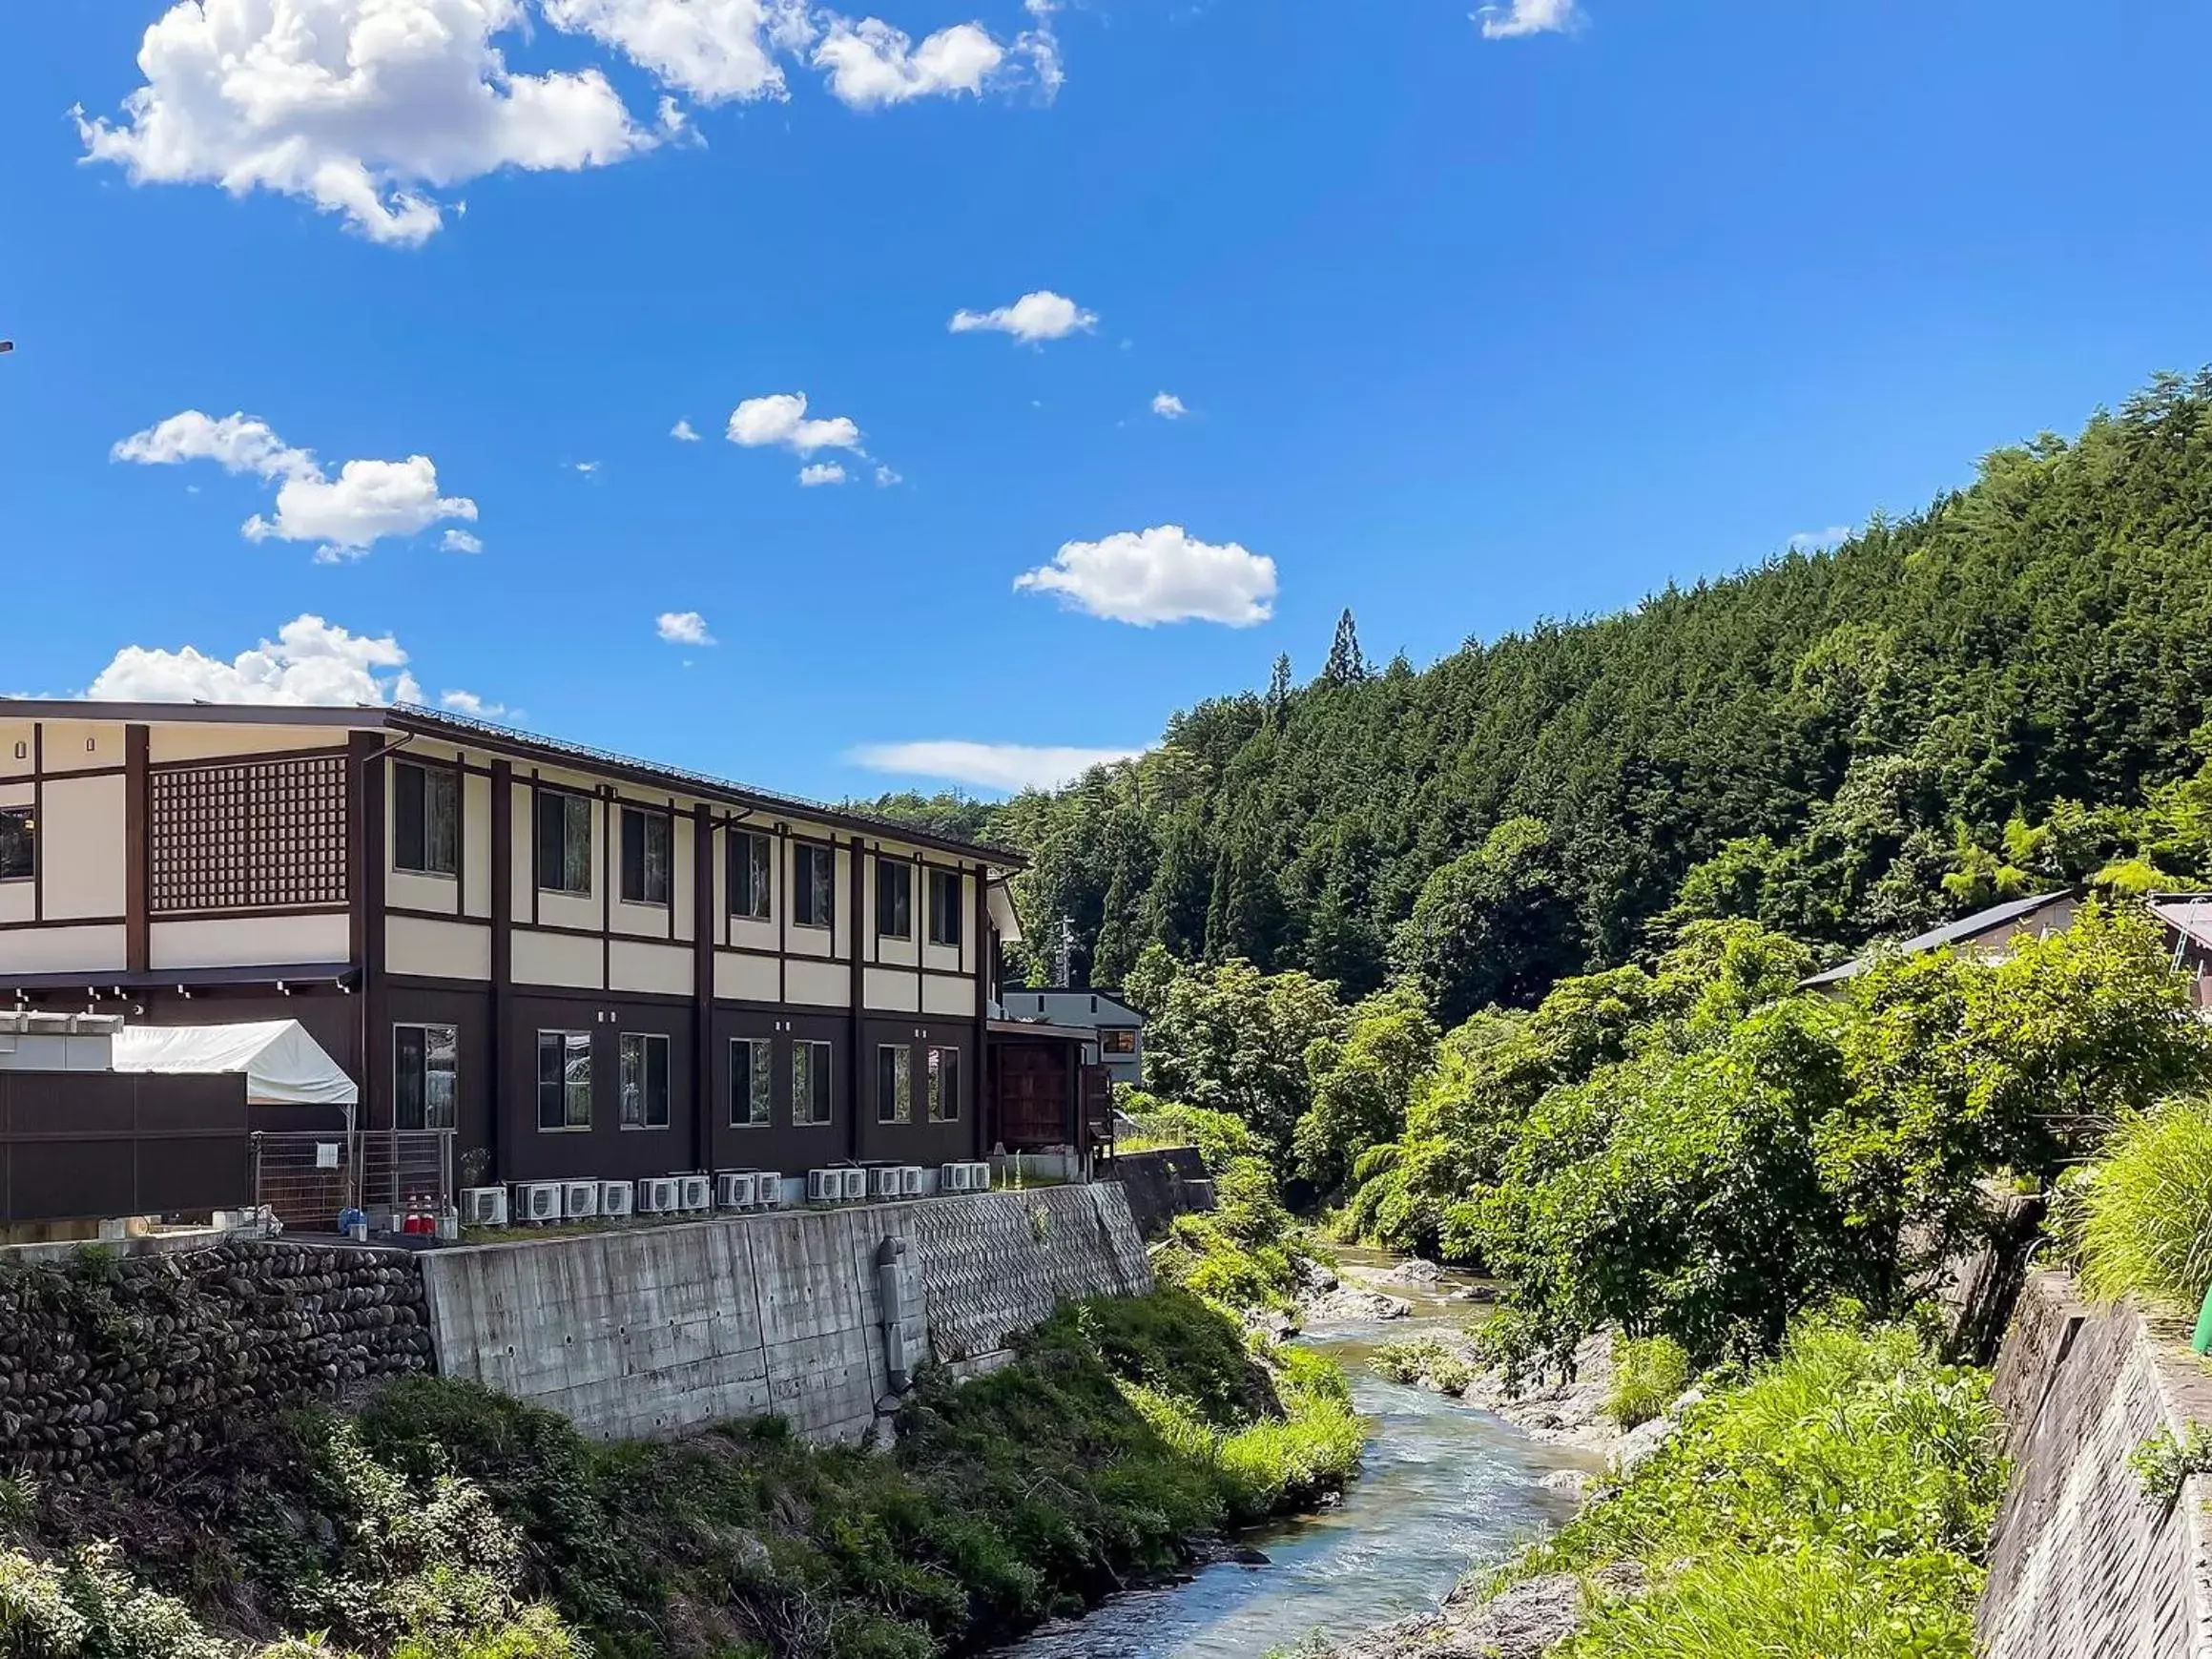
(651, 1332)
(1161, 1184)
(2082, 1563)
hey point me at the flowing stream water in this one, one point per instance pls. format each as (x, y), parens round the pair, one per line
(1444, 1486)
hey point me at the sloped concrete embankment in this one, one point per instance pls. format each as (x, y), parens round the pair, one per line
(2082, 1561)
(653, 1331)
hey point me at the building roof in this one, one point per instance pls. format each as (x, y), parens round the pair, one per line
(1997, 916)
(404, 719)
(2188, 914)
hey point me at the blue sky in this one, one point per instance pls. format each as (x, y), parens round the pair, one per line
(1472, 319)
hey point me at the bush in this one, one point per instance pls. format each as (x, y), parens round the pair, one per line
(2143, 1216)
(1648, 1376)
(1424, 1361)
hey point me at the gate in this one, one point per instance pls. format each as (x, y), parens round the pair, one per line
(307, 1178)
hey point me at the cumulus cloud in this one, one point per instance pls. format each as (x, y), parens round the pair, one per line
(871, 64)
(360, 107)
(885, 478)
(1006, 766)
(1805, 541)
(683, 433)
(310, 661)
(683, 627)
(469, 704)
(822, 472)
(1159, 575)
(716, 51)
(1032, 319)
(1168, 407)
(460, 542)
(1526, 17)
(366, 503)
(781, 419)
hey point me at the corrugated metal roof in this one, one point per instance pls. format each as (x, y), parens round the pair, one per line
(2189, 914)
(1966, 927)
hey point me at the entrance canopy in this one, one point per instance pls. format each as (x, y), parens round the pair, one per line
(282, 1065)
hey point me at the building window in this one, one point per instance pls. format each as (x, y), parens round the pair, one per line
(944, 907)
(813, 884)
(426, 806)
(810, 1084)
(564, 841)
(645, 1081)
(425, 1076)
(647, 850)
(751, 1081)
(1117, 1040)
(18, 843)
(944, 1086)
(893, 899)
(749, 875)
(564, 1079)
(894, 1084)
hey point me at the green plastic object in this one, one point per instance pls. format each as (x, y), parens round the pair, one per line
(2202, 1342)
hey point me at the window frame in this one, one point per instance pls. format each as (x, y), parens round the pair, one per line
(894, 894)
(825, 1072)
(803, 895)
(901, 1103)
(438, 778)
(945, 921)
(941, 1104)
(646, 1048)
(26, 818)
(748, 1071)
(566, 1084)
(554, 882)
(1126, 1036)
(760, 869)
(452, 1110)
(647, 818)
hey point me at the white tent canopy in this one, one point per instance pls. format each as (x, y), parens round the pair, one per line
(283, 1066)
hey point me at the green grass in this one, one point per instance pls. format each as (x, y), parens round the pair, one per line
(2143, 1218)
(1648, 1376)
(1424, 1361)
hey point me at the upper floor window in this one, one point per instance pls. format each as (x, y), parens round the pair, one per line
(564, 1079)
(1117, 1040)
(647, 850)
(18, 843)
(425, 810)
(894, 1084)
(810, 1084)
(749, 875)
(944, 907)
(893, 899)
(645, 1081)
(425, 1076)
(813, 884)
(564, 841)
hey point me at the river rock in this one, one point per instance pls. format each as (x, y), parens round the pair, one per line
(1414, 1271)
(1348, 1306)
(1524, 1621)
(1637, 1445)
(1574, 1483)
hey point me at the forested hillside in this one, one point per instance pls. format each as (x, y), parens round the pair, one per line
(1815, 743)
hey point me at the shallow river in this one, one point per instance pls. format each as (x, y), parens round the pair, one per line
(1443, 1486)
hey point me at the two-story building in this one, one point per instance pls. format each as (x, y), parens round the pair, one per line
(583, 965)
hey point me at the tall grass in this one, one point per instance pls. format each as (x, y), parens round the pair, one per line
(2144, 1212)
(1649, 1374)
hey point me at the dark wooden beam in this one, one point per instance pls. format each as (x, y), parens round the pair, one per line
(137, 853)
(860, 993)
(502, 962)
(702, 981)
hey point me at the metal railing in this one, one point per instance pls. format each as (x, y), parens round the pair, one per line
(308, 1178)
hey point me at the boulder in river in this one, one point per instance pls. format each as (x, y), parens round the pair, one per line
(1346, 1306)
(1414, 1271)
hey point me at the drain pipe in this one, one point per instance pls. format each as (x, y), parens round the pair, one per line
(888, 1255)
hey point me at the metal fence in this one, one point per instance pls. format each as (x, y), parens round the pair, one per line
(307, 1178)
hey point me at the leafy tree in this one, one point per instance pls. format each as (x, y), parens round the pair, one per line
(1361, 1085)
(1494, 925)
(1232, 1039)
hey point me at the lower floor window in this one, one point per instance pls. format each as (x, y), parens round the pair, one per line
(645, 1081)
(564, 1079)
(752, 1086)
(894, 1084)
(810, 1084)
(425, 1076)
(944, 1085)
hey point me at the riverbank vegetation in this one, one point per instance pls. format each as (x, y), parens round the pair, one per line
(444, 1518)
(2139, 1220)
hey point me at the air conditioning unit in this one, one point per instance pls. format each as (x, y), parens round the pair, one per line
(735, 1192)
(856, 1186)
(825, 1186)
(768, 1189)
(956, 1178)
(579, 1200)
(618, 1198)
(910, 1181)
(656, 1196)
(883, 1181)
(483, 1206)
(979, 1177)
(537, 1200)
(696, 1192)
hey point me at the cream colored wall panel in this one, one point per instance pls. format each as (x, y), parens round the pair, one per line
(818, 984)
(521, 830)
(476, 844)
(943, 958)
(218, 742)
(754, 935)
(746, 978)
(809, 941)
(17, 793)
(249, 941)
(891, 991)
(845, 910)
(556, 959)
(895, 952)
(564, 910)
(664, 969)
(947, 997)
(640, 920)
(12, 733)
(18, 901)
(436, 950)
(411, 890)
(81, 745)
(62, 949)
(81, 850)
(681, 887)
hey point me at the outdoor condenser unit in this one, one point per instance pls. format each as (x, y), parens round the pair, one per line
(979, 1177)
(956, 1178)
(735, 1192)
(656, 1196)
(768, 1189)
(696, 1192)
(538, 1200)
(616, 1197)
(883, 1181)
(825, 1186)
(483, 1206)
(856, 1185)
(579, 1200)
(910, 1181)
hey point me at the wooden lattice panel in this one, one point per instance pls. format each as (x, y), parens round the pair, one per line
(262, 836)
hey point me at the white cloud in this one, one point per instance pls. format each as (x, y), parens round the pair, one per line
(683, 433)
(1805, 541)
(1033, 319)
(460, 542)
(366, 502)
(357, 106)
(819, 473)
(1008, 766)
(1041, 45)
(683, 627)
(872, 64)
(781, 419)
(586, 468)
(310, 661)
(717, 51)
(1159, 575)
(885, 478)
(1525, 18)
(469, 704)
(1168, 407)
